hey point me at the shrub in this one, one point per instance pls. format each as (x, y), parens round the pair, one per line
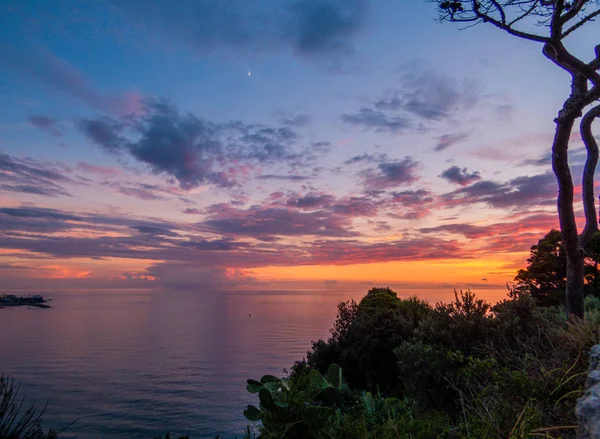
(16, 423)
(460, 369)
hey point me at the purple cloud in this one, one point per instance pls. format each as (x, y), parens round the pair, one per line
(45, 123)
(376, 120)
(391, 173)
(459, 176)
(447, 140)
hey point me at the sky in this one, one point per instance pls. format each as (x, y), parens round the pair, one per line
(262, 145)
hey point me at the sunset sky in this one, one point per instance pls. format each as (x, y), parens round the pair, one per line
(262, 144)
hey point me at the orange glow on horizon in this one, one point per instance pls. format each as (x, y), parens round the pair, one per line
(493, 270)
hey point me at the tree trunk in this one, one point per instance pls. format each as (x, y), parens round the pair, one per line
(587, 182)
(566, 215)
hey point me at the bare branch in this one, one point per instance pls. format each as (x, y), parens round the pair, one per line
(580, 23)
(501, 11)
(575, 9)
(476, 8)
(526, 12)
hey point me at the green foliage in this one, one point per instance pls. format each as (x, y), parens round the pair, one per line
(16, 423)
(372, 329)
(463, 369)
(545, 275)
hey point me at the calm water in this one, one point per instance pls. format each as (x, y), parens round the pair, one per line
(135, 365)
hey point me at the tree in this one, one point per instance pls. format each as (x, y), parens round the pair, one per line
(592, 260)
(555, 20)
(545, 275)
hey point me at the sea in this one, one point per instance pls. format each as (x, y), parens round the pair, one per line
(139, 364)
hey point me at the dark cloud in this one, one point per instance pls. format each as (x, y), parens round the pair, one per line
(447, 140)
(311, 201)
(356, 207)
(377, 120)
(154, 230)
(411, 198)
(283, 177)
(194, 151)
(411, 204)
(362, 158)
(265, 222)
(524, 191)
(459, 176)
(104, 132)
(305, 26)
(390, 174)
(325, 26)
(45, 123)
(31, 177)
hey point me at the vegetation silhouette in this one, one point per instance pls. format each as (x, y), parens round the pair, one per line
(407, 369)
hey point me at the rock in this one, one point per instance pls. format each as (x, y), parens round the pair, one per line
(588, 406)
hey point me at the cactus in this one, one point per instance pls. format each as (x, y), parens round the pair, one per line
(271, 394)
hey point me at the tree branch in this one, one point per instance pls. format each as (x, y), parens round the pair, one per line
(555, 22)
(572, 13)
(587, 182)
(505, 27)
(580, 23)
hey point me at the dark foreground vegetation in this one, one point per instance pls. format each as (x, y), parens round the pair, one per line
(396, 368)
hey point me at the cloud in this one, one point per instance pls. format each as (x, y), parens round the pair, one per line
(391, 173)
(260, 223)
(195, 151)
(140, 192)
(411, 204)
(428, 95)
(422, 97)
(113, 236)
(459, 176)
(501, 236)
(60, 75)
(524, 191)
(290, 177)
(447, 140)
(99, 170)
(293, 119)
(363, 158)
(192, 211)
(411, 198)
(325, 26)
(306, 27)
(29, 176)
(45, 123)
(311, 201)
(369, 118)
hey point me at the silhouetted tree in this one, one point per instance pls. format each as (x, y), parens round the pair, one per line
(555, 20)
(592, 260)
(545, 275)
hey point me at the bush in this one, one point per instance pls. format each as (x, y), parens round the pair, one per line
(16, 423)
(460, 369)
